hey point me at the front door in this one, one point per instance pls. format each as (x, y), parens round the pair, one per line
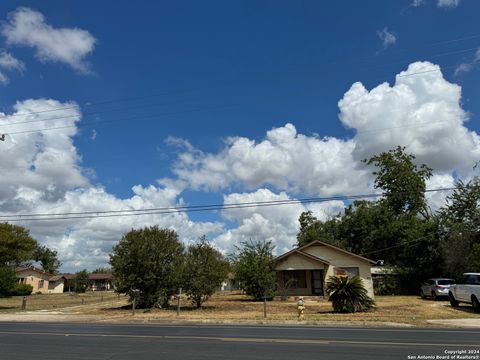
(317, 282)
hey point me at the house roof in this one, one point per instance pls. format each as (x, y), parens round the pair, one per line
(57, 277)
(300, 251)
(69, 276)
(304, 254)
(105, 276)
(31, 268)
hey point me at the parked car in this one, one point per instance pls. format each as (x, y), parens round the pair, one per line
(435, 288)
(466, 292)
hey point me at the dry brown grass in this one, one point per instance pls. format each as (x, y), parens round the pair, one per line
(236, 307)
(54, 301)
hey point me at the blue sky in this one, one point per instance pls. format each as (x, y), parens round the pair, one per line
(198, 73)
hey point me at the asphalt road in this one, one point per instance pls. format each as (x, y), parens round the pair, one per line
(105, 341)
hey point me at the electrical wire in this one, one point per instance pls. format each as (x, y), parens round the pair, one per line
(185, 209)
(203, 87)
(166, 114)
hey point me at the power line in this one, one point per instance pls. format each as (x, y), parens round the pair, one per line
(185, 209)
(89, 124)
(166, 114)
(202, 87)
(271, 86)
(409, 243)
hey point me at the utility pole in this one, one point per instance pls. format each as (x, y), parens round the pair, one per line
(179, 296)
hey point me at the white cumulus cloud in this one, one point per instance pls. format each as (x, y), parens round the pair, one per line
(42, 171)
(284, 159)
(278, 224)
(421, 111)
(27, 27)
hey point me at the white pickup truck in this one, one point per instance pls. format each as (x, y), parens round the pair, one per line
(466, 292)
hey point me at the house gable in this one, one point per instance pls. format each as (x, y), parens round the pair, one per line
(298, 260)
(335, 257)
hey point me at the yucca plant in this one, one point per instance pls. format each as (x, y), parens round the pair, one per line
(348, 295)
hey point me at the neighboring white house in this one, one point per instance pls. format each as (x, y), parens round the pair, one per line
(56, 284)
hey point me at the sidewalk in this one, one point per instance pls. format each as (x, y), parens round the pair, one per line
(461, 323)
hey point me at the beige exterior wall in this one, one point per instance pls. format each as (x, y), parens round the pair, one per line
(340, 259)
(298, 262)
(38, 281)
(56, 287)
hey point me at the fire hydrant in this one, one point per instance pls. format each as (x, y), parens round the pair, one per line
(301, 308)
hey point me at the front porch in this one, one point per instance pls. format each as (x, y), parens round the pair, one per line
(301, 274)
(307, 282)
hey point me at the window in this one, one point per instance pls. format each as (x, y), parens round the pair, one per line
(40, 284)
(295, 279)
(350, 272)
(445, 282)
(472, 279)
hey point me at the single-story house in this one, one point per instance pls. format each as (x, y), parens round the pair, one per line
(100, 282)
(37, 278)
(96, 282)
(56, 284)
(304, 271)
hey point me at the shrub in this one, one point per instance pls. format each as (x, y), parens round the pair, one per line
(348, 295)
(205, 269)
(81, 281)
(147, 264)
(254, 268)
(22, 289)
(7, 280)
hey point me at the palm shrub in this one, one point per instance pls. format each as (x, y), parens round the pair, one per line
(348, 295)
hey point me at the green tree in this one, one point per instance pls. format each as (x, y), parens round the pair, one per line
(390, 228)
(16, 245)
(312, 229)
(7, 280)
(102, 270)
(205, 269)
(147, 265)
(459, 228)
(254, 268)
(474, 258)
(402, 181)
(81, 281)
(366, 226)
(47, 258)
(348, 295)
